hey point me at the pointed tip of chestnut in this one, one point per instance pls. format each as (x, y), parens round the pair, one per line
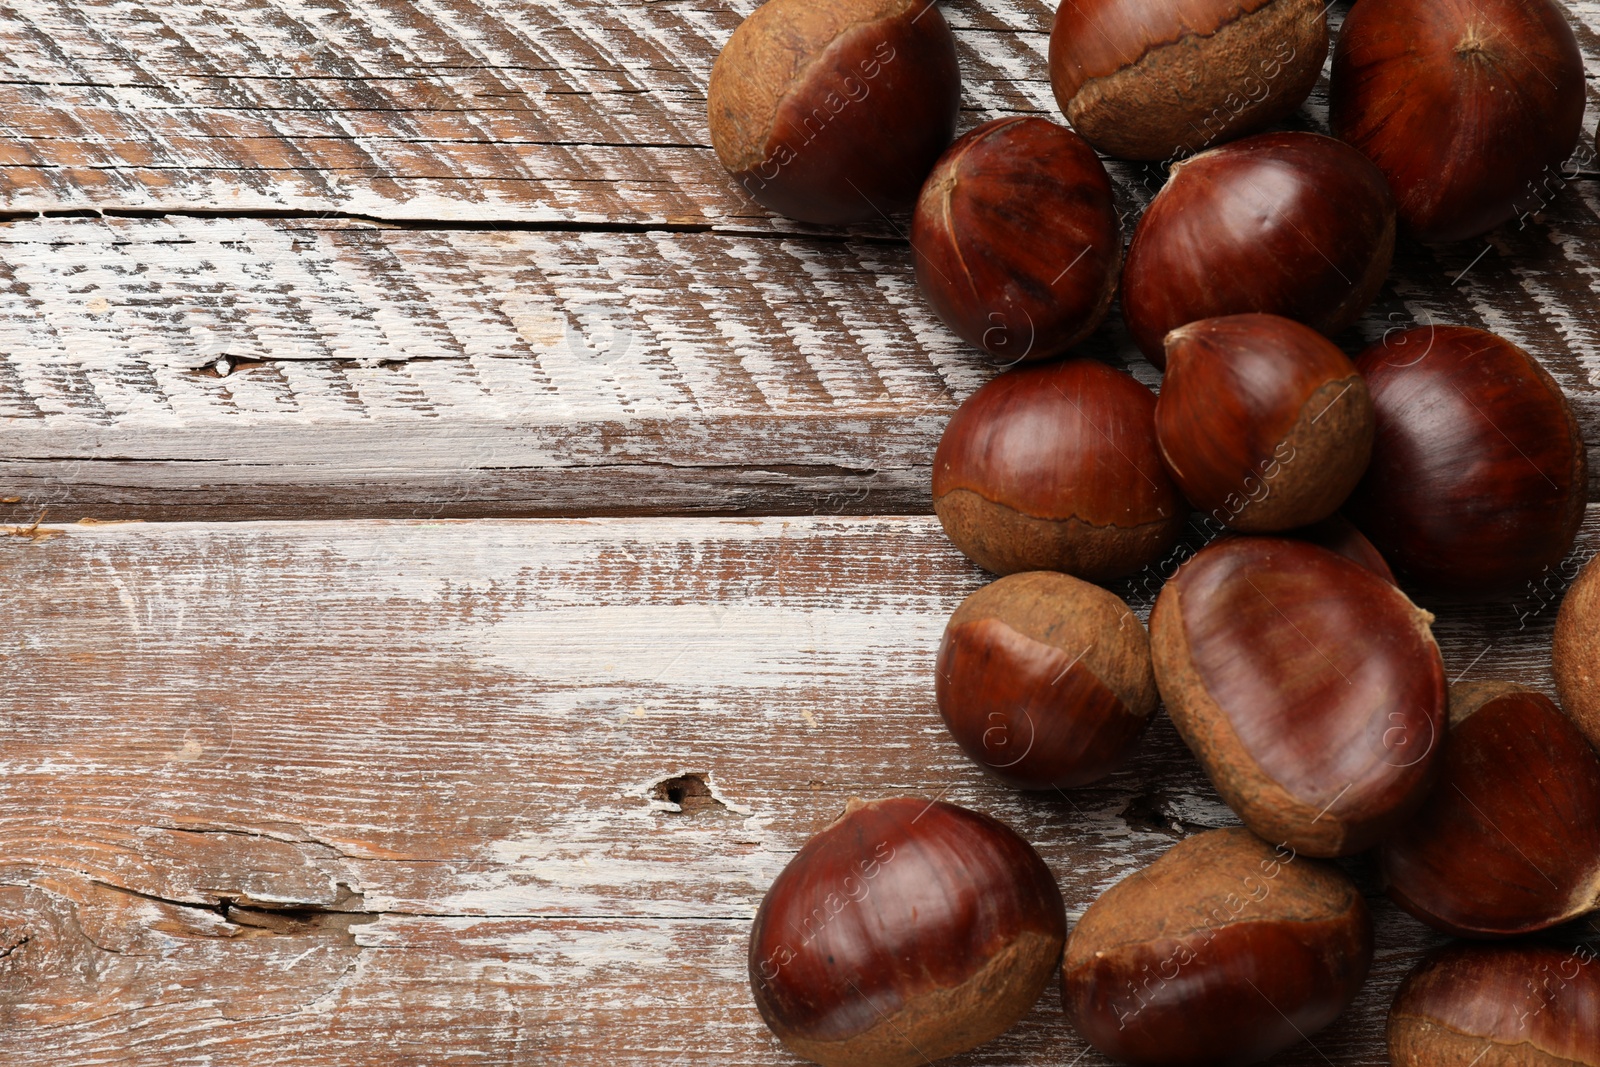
(1264, 423)
(1291, 224)
(1310, 689)
(1520, 1005)
(1045, 680)
(833, 113)
(1479, 474)
(1508, 839)
(1055, 467)
(1466, 106)
(907, 930)
(1016, 240)
(1225, 950)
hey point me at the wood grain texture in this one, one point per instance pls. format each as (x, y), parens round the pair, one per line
(536, 110)
(576, 111)
(376, 793)
(427, 372)
(581, 316)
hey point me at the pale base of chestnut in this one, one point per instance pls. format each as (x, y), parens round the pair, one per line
(1415, 1042)
(1577, 653)
(1005, 541)
(1148, 110)
(950, 1021)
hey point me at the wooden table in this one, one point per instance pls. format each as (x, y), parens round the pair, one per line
(536, 543)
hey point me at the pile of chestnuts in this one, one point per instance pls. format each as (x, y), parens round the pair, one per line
(1285, 649)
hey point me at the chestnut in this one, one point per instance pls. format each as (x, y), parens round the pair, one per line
(1576, 651)
(1478, 475)
(1224, 950)
(834, 112)
(1310, 689)
(1499, 1006)
(1339, 534)
(1055, 467)
(1148, 80)
(906, 931)
(1508, 840)
(1263, 423)
(1291, 224)
(1463, 104)
(1045, 680)
(1017, 240)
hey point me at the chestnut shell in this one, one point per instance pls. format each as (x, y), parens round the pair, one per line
(1310, 689)
(834, 111)
(1479, 476)
(1291, 224)
(1463, 104)
(1501, 1005)
(1263, 423)
(1055, 467)
(907, 930)
(1156, 81)
(1045, 680)
(1223, 951)
(1508, 840)
(1017, 241)
(1339, 534)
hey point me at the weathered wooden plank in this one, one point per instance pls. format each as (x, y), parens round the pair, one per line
(502, 792)
(384, 371)
(458, 372)
(422, 109)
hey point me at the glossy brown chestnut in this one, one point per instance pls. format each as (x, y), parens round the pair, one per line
(834, 111)
(1463, 104)
(1143, 79)
(1508, 840)
(1291, 224)
(1223, 951)
(1017, 241)
(1310, 689)
(1478, 473)
(1339, 534)
(1577, 650)
(1262, 422)
(1056, 468)
(1499, 1006)
(1045, 680)
(904, 932)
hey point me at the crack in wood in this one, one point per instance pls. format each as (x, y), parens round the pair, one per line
(423, 223)
(256, 918)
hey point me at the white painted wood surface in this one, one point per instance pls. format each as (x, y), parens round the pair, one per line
(508, 366)
(368, 793)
